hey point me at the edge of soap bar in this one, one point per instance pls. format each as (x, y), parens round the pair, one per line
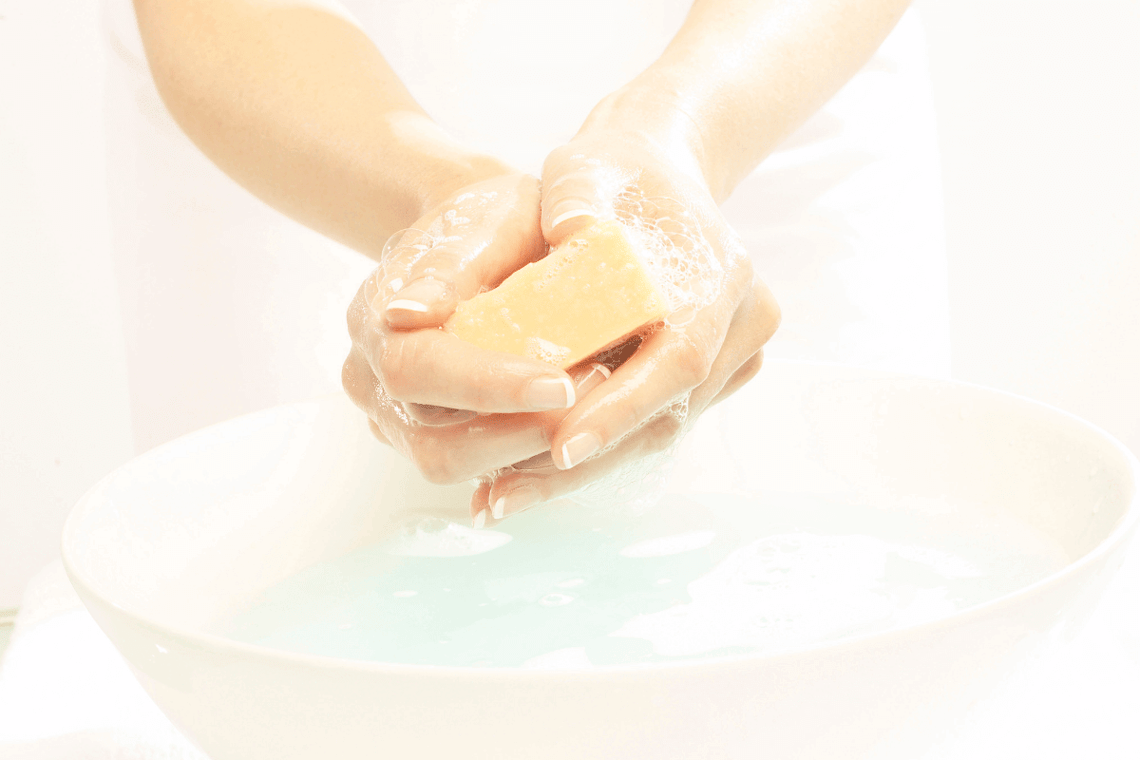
(496, 304)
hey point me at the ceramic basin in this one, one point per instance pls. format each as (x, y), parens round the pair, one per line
(182, 538)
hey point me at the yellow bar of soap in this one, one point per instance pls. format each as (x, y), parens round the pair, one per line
(586, 295)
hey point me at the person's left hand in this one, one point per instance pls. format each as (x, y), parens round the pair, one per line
(708, 347)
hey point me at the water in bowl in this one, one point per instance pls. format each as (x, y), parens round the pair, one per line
(698, 576)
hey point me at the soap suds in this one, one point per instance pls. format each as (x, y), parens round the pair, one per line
(668, 237)
(545, 351)
(436, 537)
(406, 248)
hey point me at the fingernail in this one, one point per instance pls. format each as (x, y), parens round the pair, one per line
(523, 497)
(480, 520)
(377, 304)
(572, 214)
(537, 462)
(437, 415)
(578, 449)
(681, 317)
(550, 393)
(407, 305)
(417, 296)
(598, 374)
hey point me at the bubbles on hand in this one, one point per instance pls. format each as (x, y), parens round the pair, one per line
(405, 248)
(546, 351)
(676, 252)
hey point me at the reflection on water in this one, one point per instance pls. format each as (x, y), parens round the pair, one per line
(697, 576)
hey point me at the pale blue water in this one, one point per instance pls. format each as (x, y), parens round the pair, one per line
(697, 576)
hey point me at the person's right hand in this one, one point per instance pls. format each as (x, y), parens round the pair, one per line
(454, 410)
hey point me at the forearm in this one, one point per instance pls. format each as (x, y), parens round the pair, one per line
(293, 101)
(740, 76)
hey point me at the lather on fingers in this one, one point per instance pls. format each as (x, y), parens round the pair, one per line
(432, 367)
(519, 488)
(454, 410)
(709, 344)
(473, 242)
(461, 451)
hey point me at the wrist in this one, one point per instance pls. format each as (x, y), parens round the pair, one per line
(434, 166)
(656, 112)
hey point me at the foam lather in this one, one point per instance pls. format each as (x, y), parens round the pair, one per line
(586, 295)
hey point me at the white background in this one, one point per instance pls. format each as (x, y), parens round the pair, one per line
(1039, 116)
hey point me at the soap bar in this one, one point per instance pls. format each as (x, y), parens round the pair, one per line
(586, 295)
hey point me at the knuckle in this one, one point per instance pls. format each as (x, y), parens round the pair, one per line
(356, 316)
(737, 257)
(429, 460)
(375, 430)
(693, 363)
(768, 310)
(751, 366)
(403, 248)
(426, 414)
(355, 379)
(441, 263)
(394, 366)
(556, 161)
(663, 431)
(437, 460)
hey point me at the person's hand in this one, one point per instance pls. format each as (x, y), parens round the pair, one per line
(710, 345)
(456, 411)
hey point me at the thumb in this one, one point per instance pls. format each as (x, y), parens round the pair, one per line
(415, 284)
(470, 248)
(571, 201)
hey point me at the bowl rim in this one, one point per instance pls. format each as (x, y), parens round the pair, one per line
(1120, 534)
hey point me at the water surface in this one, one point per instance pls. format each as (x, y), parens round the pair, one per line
(699, 575)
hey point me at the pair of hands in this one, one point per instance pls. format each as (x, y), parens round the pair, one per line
(528, 431)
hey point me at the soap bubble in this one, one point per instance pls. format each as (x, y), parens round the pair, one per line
(668, 237)
(545, 351)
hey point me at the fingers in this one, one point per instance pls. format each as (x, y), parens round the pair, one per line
(462, 450)
(479, 505)
(741, 355)
(697, 359)
(424, 302)
(743, 374)
(473, 242)
(584, 379)
(587, 379)
(518, 490)
(577, 191)
(375, 430)
(571, 202)
(739, 359)
(451, 453)
(435, 368)
(668, 363)
(434, 416)
(455, 453)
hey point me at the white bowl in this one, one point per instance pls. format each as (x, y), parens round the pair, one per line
(190, 532)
